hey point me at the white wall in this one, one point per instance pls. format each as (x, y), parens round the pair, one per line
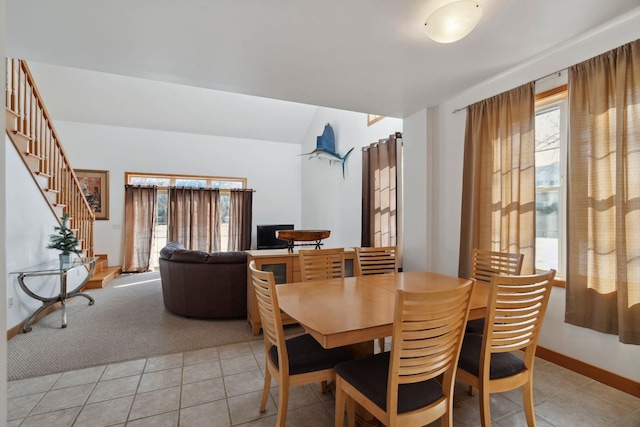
(30, 221)
(271, 168)
(417, 218)
(446, 146)
(329, 201)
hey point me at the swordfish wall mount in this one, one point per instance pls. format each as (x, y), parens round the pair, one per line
(326, 148)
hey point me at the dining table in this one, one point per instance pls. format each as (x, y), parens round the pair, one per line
(354, 311)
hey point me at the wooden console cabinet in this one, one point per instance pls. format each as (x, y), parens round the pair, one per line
(286, 269)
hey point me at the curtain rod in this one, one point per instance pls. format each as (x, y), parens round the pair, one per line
(558, 73)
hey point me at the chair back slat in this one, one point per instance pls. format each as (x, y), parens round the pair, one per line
(321, 264)
(427, 334)
(516, 309)
(486, 264)
(380, 260)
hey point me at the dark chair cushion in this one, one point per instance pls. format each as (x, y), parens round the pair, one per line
(370, 375)
(502, 364)
(475, 326)
(307, 355)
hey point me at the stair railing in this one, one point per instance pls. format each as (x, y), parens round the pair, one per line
(31, 129)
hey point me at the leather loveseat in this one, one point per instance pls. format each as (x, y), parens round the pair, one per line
(203, 285)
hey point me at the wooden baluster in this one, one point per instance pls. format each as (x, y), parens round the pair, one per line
(21, 102)
(31, 119)
(16, 83)
(8, 83)
(51, 157)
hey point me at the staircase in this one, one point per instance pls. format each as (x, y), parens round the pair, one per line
(103, 274)
(30, 128)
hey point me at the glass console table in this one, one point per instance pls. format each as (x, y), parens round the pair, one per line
(55, 268)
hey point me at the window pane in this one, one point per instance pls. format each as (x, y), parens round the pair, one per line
(146, 180)
(191, 183)
(547, 188)
(162, 202)
(226, 184)
(547, 242)
(548, 148)
(224, 221)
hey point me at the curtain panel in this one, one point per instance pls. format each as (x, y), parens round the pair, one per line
(603, 274)
(379, 193)
(139, 223)
(194, 218)
(498, 194)
(240, 216)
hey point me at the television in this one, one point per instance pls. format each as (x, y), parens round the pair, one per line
(266, 236)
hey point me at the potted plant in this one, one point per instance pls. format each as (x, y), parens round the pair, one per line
(64, 240)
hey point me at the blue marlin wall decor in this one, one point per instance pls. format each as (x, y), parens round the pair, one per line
(326, 148)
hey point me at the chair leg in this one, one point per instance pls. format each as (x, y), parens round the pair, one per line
(485, 408)
(324, 387)
(381, 344)
(527, 397)
(283, 404)
(472, 392)
(340, 402)
(351, 412)
(265, 390)
(447, 419)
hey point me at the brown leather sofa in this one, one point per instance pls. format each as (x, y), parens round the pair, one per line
(203, 285)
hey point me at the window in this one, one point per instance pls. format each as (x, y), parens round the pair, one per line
(163, 182)
(550, 161)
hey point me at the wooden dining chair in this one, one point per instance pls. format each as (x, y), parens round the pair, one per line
(321, 264)
(486, 264)
(489, 362)
(294, 361)
(413, 384)
(380, 260)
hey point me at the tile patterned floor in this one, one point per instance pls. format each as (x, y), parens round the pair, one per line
(221, 386)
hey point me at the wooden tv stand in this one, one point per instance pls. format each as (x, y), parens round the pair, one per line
(285, 266)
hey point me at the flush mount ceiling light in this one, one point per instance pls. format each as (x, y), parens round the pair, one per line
(453, 21)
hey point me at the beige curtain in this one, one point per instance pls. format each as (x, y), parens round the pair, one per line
(603, 275)
(240, 213)
(139, 222)
(194, 218)
(379, 191)
(498, 188)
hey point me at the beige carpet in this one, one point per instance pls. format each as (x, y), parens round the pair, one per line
(127, 322)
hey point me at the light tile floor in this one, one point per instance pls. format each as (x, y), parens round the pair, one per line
(221, 386)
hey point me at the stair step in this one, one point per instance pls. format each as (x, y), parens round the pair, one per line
(103, 277)
(101, 264)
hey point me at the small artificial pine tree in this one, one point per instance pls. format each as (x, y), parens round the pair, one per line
(65, 240)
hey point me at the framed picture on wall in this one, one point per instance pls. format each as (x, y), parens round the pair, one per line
(95, 186)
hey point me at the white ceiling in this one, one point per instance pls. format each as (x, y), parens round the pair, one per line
(359, 55)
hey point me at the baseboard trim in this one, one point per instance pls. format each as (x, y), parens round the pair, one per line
(593, 372)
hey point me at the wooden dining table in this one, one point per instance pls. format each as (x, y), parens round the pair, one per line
(354, 310)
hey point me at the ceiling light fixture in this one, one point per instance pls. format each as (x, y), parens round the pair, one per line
(453, 21)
